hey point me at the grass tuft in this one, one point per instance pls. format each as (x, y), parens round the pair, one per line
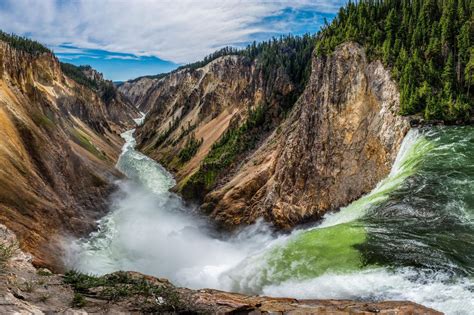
(120, 285)
(78, 301)
(7, 250)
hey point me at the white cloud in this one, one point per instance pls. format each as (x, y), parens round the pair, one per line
(122, 57)
(68, 50)
(180, 30)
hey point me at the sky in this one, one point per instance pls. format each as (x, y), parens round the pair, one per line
(127, 39)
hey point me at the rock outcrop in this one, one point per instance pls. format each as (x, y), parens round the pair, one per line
(137, 91)
(58, 145)
(339, 139)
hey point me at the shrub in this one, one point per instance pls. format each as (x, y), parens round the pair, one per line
(190, 149)
(78, 300)
(7, 250)
(120, 285)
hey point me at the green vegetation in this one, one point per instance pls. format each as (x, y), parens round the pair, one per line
(78, 301)
(24, 44)
(28, 286)
(190, 149)
(226, 51)
(287, 56)
(291, 55)
(150, 297)
(106, 89)
(44, 272)
(427, 43)
(42, 120)
(225, 152)
(77, 74)
(163, 136)
(81, 139)
(185, 132)
(7, 250)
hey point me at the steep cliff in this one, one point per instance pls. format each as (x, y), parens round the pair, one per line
(246, 161)
(58, 145)
(339, 141)
(138, 90)
(201, 105)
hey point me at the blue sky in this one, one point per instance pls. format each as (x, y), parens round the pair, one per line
(127, 39)
(115, 66)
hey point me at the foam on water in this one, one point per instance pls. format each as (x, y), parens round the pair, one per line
(436, 290)
(150, 230)
(347, 256)
(413, 147)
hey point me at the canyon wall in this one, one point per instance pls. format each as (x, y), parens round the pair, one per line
(58, 145)
(202, 104)
(334, 144)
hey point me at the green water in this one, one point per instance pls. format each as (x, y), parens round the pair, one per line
(330, 249)
(411, 238)
(428, 222)
(335, 245)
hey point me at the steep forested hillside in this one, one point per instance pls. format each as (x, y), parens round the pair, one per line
(428, 45)
(290, 55)
(23, 44)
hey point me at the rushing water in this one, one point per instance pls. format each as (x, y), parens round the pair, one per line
(411, 238)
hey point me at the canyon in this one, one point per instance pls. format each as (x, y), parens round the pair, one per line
(339, 139)
(302, 154)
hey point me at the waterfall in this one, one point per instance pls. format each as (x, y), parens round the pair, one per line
(411, 238)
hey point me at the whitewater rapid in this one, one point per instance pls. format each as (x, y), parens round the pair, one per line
(150, 230)
(346, 256)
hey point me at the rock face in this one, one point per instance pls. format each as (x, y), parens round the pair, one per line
(137, 92)
(58, 145)
(26, 290)
(339, 139)
(201, 103)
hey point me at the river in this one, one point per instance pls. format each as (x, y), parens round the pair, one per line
(411, 238)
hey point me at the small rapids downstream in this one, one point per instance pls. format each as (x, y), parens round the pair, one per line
(411, 238)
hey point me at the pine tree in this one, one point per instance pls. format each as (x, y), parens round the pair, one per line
(469, 72)
(448, 77)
